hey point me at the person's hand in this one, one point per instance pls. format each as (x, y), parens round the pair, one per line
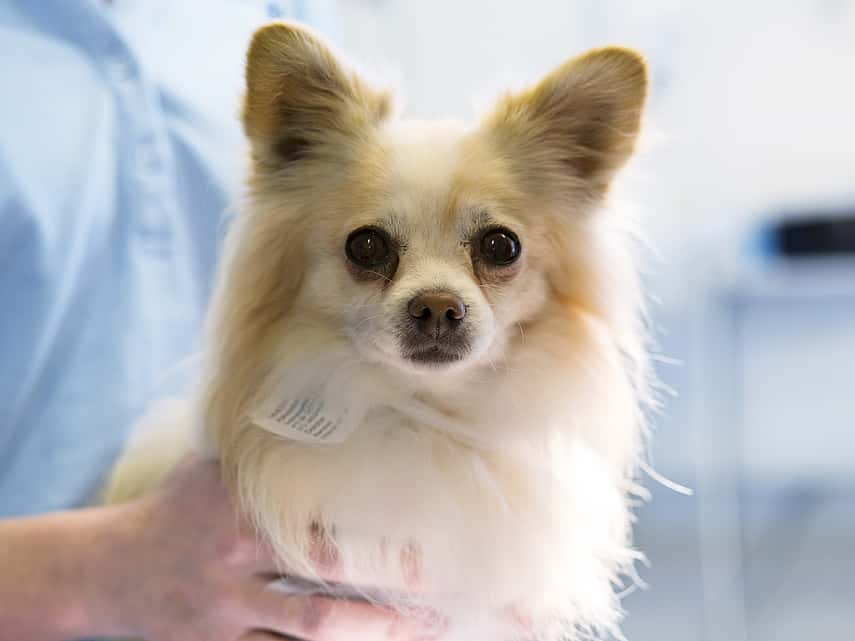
(181, 566)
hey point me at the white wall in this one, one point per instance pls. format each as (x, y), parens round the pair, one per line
(752, 108)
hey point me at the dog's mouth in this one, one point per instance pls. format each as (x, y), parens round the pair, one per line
(430, 352)
(434, 356)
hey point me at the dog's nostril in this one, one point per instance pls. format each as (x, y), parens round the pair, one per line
(456, 310)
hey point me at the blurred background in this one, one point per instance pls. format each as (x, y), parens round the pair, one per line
(751, 126)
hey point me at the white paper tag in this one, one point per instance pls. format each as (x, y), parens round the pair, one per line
(310, 419)
(320, 397)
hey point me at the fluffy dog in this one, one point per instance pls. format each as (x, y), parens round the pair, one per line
(427, 344)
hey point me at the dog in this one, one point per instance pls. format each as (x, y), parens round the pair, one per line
(428, 343)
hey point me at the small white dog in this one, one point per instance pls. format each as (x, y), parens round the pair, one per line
(427, 343)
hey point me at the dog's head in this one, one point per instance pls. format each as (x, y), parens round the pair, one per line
(427, 246)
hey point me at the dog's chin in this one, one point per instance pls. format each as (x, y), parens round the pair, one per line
(407, 356)
(429, 359)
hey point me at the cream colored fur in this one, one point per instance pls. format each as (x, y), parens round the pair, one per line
(494, 489)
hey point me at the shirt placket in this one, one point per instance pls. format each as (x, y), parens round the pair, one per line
(147, 150)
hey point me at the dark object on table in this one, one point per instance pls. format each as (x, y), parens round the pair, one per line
(820, 235)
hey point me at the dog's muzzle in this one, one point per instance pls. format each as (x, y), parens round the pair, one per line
(435, 331)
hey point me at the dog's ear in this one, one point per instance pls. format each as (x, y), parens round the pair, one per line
(299, 99)
(580, 122)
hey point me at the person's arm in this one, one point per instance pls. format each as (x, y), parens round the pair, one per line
(172, 566)
(46, 583)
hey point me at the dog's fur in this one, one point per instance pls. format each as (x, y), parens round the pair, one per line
(496, 483)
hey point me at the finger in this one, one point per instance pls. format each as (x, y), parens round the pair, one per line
(260, 557)
(322, 554)
(327, 566)
(520, 623)
(319, 618)
(261, 635)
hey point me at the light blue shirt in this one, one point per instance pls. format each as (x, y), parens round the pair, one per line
(120, 153)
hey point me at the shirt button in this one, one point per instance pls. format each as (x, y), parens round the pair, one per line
(149, 158)
(279, 9)
(119, 70)
(150, 162)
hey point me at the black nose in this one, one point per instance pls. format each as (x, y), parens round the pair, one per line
(437, 313)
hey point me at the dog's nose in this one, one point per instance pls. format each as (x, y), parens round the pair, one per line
(437, 313)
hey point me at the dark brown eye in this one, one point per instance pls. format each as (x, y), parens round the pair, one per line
(500, 246)
(370, 248)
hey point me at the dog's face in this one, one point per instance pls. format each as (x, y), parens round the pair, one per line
(430, 268)
(428, 246)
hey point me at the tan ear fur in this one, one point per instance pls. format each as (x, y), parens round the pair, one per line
(299, 96)
(580, 122)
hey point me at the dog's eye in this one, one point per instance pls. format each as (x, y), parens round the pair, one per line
(500, 246)
(369, 248)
